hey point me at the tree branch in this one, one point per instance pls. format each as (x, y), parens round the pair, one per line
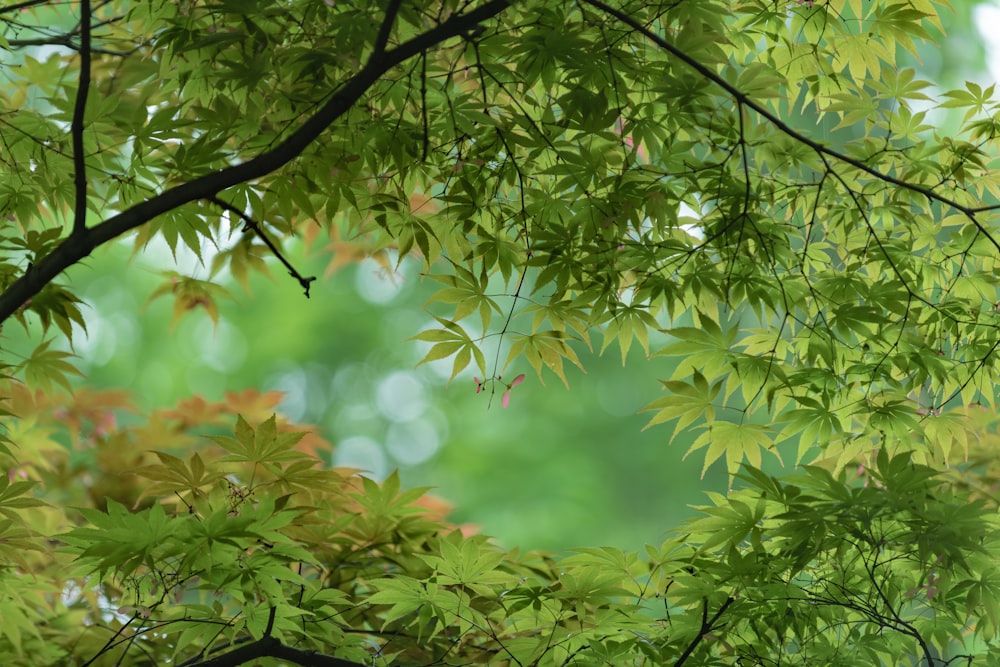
(79, 246)
(741, 97)
(255, 226)
(707, 625)
(76, 127)
(269, 647)
(22, 5)
(270, 621)
(66, 40)
(382, 39)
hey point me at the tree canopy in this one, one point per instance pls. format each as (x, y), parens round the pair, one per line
(761, 185)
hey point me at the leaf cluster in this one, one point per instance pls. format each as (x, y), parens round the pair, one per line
(644, 172)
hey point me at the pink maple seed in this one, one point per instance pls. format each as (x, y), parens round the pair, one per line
(505, 399)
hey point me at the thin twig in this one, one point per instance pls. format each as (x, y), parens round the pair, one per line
(67, 41)
(22, 5)
(741, 97)
(707, 625)
(255, 226)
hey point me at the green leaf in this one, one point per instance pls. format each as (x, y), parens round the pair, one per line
(451, 340)
(738, 442)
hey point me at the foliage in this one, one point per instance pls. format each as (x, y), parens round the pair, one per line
(561, 170)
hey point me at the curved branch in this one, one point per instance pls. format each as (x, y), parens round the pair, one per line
(269, 647)
(78, 246)
(707, 626)
(17, 6)
(742, 98)
(255, 226)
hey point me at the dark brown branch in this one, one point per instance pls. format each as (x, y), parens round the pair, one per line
(113, 640)
(707, 625)
(741, 97)
(897, 621)
(67, 41)
(270, 621)
(76, 127)
(256, 228)
(972, 375)
(382, 39)
(79, 246)
(269, 647)
(22, 5)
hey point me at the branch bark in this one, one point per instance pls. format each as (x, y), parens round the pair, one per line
(742, 98)
(79, 245)
(76, 127)
(269, 647)
(256, 228)
(17, 6)
(707, 626)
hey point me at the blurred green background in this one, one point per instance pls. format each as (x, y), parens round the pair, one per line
(558, 468)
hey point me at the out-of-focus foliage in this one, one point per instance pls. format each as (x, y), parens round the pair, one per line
(563, 451)
(571, 176)
(247, 538)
